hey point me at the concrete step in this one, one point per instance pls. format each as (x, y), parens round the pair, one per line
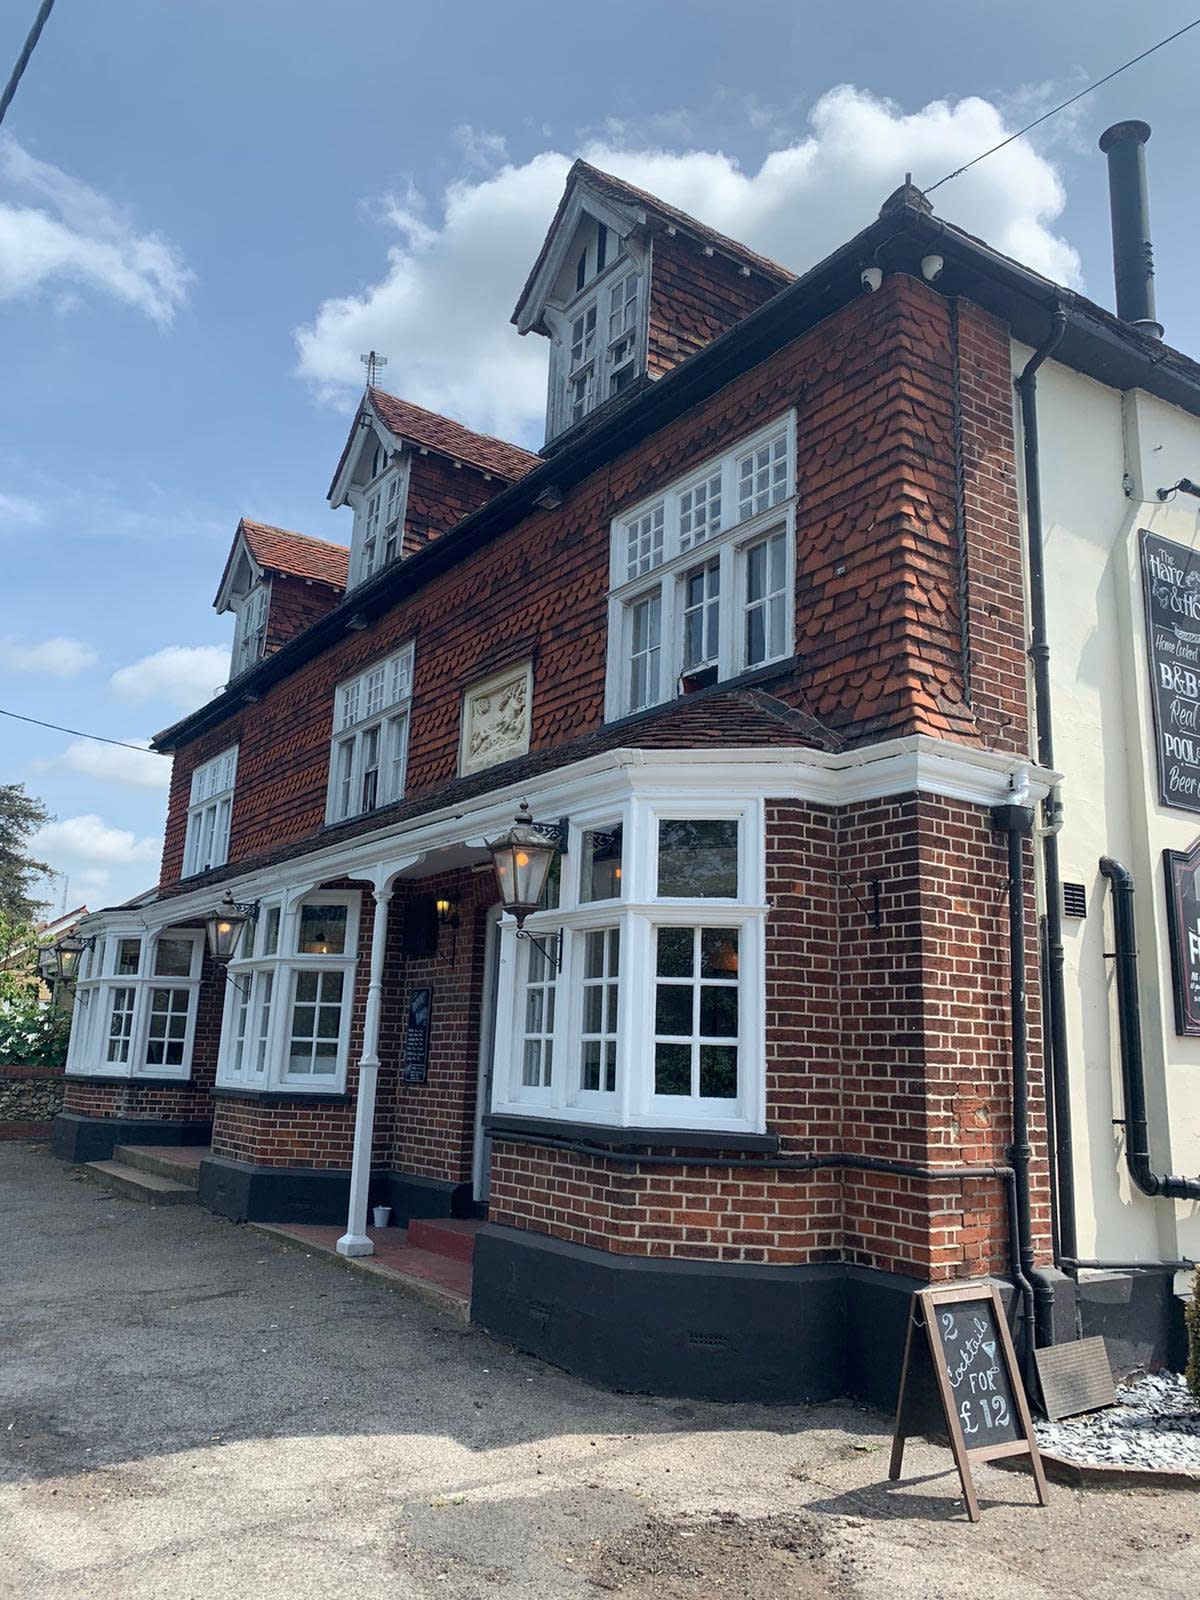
(147, 1186)
(445, 1236)
(180, 1165)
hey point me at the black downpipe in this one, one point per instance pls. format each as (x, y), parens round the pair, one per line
(1059, 1101)
(1129, 1015)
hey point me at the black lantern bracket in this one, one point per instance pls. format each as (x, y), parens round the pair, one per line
(874, 910)
(554, 960)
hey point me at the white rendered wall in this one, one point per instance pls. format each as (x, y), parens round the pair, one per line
(1090, 437)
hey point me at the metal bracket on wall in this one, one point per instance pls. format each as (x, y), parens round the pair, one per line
(874, 910)
(554, 960)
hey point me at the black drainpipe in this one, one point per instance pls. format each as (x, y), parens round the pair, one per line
(1059, 1100)
(1129, 1014)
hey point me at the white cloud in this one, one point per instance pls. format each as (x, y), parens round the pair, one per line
(88, 840)
(19, 511)
(441, 309)
(56, 231)
(116, 764)
(59, 657)
(186, 675)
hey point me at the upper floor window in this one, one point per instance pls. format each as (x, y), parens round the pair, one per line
(599, 346)
(136, 1004)
(209, 812)
(702, 575)
(369, 754)
(250, 634)
(378, 538)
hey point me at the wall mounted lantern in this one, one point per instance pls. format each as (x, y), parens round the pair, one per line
(448, 917)
(521, 859)
(224, 925)
(67, 953)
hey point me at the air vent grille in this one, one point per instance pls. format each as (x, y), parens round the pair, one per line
(1074, 900)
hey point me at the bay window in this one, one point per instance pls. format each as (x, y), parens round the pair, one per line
(369, 755)
(599, 335)
(702, 576)
(655, 1018)
(250, 632)
(136, 1004)
(287, 1009)
(206, 843)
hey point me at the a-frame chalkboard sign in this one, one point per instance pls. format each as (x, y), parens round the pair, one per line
(975, 1378)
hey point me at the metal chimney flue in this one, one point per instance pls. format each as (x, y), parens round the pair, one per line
(1133, 255)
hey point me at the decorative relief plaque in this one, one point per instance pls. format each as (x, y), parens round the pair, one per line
(496, 718)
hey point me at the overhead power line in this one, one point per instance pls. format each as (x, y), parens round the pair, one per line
(35, 33)
(1046, 115)
(98, 737)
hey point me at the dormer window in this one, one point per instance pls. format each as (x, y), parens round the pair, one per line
(599, 344)
(379, 520)
(250, 632)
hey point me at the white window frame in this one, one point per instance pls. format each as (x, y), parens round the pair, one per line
(636, 913)
(380, 508)
(655, 548)
(100, 984)
(283, 965)
(370, 734)
(250, 630)
(210, 813)
(610, 356)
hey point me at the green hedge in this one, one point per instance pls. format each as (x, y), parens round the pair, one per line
(33, 1033)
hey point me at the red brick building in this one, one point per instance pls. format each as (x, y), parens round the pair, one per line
(752, 625)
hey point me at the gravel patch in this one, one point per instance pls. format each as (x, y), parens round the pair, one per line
(1155, 1425)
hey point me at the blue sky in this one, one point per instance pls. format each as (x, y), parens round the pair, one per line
(207, 212)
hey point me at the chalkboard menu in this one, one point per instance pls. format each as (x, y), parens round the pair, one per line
(975, 1376)
(414, 1061)
(1182, 874)
(975, 1370)
(1171, 584)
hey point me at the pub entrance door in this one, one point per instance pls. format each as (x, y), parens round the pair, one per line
(481, 1172)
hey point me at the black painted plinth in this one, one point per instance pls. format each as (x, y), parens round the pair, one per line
(248, 1192)
(702, 1329)
(1139, 1317)
(77, 1138)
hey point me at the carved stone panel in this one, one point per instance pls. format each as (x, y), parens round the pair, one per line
(496, 718)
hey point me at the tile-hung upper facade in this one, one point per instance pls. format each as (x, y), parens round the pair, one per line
(750, 632)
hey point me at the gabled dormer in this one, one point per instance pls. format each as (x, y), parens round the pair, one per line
(276, 583)
(410, 474)
(625, 287)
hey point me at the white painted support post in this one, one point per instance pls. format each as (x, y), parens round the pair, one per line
(356, 1241)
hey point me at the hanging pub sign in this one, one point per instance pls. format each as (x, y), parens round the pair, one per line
(414, 1061)
(1182, 874)
(1171, 584)
(975, 1382)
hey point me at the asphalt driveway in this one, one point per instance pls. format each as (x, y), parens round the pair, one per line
(191, 1409)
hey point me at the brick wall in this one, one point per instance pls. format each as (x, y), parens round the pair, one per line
(296, 604)
(890, 1042)
(879, 573)
(694, 298)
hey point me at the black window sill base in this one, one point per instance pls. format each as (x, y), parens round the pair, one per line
(280, 1097)
(510, 1127)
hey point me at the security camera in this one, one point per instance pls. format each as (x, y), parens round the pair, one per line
(931, 268)
(871, 278)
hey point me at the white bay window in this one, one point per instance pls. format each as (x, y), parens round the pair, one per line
(369, 756)
(379, 509)
(288, 1005)
(599, 332)
(656, 1017)
(703, 576)
(136, 999)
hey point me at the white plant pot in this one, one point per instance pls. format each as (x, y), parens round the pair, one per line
(382, 1215)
